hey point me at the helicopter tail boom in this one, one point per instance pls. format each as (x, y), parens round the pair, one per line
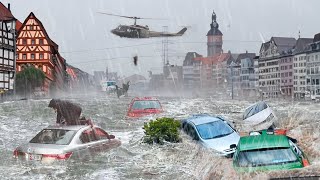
(182, 31)
(161, 34)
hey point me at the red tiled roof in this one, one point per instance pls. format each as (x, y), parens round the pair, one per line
(5, 14)
(213, 59)
(18, 25)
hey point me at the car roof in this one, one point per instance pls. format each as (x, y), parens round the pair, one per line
(262, 141)
(202, 119)
(69, 127)
(144, 99)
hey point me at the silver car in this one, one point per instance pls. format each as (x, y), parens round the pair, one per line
(63, 142)
(212, 132)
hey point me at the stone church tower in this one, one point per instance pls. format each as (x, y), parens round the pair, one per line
(214, 40)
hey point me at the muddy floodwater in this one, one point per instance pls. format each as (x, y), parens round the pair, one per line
(22, 120)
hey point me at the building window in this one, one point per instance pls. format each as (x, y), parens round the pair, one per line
(31, 27)
(33, 42)
(17, 56)
(41, 41)
(41, 56)
(24, 42)
(32, 56)
(24, 56)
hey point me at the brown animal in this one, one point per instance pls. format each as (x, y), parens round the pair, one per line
(67, 111)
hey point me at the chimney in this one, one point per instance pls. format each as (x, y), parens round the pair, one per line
(9, 7)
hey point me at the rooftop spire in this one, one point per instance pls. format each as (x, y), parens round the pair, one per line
(214, 17)
(214, 26)
(214, 23)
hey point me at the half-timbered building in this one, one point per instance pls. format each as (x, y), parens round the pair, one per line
(35, 47)
(7, 49)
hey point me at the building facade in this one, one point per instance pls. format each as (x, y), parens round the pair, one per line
(7, 50)
(256, 76)
(286, 74)
(269, 67)
(313, 68)
(239, 71)
(247, 77)
(191, 71)
(79, 80)
(35, 47)
(299, 67)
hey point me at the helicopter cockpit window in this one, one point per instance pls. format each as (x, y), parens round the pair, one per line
(123, 28)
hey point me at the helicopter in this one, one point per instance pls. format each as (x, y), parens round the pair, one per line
(138, 31)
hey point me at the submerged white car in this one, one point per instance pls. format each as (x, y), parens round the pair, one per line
(64, 142)
(212, 132)
(259, 116)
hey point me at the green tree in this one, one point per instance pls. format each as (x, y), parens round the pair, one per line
(160, 130)
(28, 79)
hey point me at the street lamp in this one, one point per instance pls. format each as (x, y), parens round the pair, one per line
(261, 94)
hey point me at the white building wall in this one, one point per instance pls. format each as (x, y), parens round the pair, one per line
(299, 75)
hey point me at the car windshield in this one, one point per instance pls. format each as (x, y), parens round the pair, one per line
(111, 83)
(263, 157)
(146, 105)
(54, 136)
(214, 129)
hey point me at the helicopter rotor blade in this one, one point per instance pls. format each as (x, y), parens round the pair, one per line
(118, 15)
(131, 17)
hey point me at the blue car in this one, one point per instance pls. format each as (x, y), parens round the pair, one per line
(212, 132)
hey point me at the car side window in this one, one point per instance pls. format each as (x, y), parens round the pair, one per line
(191, 131)
(88, 136)
(295, 148)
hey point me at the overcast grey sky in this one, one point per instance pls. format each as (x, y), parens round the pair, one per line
(85, 40)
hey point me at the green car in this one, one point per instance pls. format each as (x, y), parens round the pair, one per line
(265, 150)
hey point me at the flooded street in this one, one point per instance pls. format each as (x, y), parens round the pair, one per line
(22, 120)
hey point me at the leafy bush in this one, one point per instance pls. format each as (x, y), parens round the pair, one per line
(160, 130)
